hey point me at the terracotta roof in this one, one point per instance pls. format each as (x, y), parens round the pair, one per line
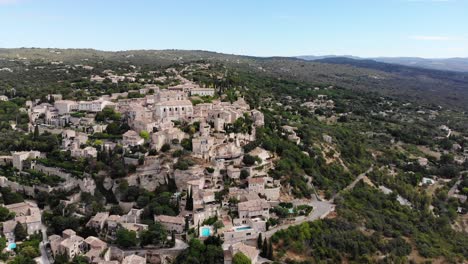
(134, 259)
(170, 219)
(95, 242)
(249, 251)
(176, 103)
(259, 180)
(69, 242)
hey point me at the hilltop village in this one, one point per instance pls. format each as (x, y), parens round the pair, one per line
(174, 165)
(185, 139)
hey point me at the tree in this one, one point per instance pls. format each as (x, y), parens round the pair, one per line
(5, 214)
(36, 132)
(80, 260)
(116, 210)
(156, 235)
(145, 135)
(126, 238)
(10, 197)
(244, 174)
(264, 252)
(270, 251)
(186, 144)
(61, 259)
(259, 241)
(240, 258)
(187, 226)
(21, 259)
(20, 232)
(30, 251)
(173, 238)
(189, 202)
(165, 148)
(249, 160)
(207, 252)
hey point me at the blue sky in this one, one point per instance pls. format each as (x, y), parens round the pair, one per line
(424, 28)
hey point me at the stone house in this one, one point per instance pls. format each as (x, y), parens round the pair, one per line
(131, 138)
(171, 223)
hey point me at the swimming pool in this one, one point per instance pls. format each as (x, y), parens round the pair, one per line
(242, 228)
(205, 231)
(12, 246)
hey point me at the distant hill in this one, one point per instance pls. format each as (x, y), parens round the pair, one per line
(446, 88)
(450, 64)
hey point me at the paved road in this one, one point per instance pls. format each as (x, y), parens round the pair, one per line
(44, 259)
(321, 210)
(178, 247)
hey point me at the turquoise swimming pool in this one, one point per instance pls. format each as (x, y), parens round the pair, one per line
(243, 228)
(205, 231)
(12, 246)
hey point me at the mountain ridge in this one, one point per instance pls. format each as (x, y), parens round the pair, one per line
(446, 88)
(458, 64)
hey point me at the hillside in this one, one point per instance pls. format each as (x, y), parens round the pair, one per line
(449, 64)
(342, 172)
(429, 86)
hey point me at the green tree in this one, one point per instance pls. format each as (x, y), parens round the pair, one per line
(5, 214)
(264, 252)
(36, 132)
(126, 238)
(145, 135)
(20, 232)
(156, 235)
(189, 202)
(240, 258)
(259, 241)
(270, 250)
(165, 148)
(21, 259)
(186, 144)
(30, 251)
(80, 260)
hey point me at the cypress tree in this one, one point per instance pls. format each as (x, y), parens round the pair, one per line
(36, 132)
(187, 226)
(270, 251)
(264, 252)
(259, 241)
(189, 204)
(20, 232)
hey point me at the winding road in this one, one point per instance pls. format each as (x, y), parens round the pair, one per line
(320, 208)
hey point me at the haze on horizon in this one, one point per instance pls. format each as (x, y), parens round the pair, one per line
(388, 28)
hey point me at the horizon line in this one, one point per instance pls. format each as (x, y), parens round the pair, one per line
(247, 55)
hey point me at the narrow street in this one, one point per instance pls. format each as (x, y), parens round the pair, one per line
(43, 259)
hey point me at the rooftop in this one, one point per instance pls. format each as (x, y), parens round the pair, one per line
(170, 219)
